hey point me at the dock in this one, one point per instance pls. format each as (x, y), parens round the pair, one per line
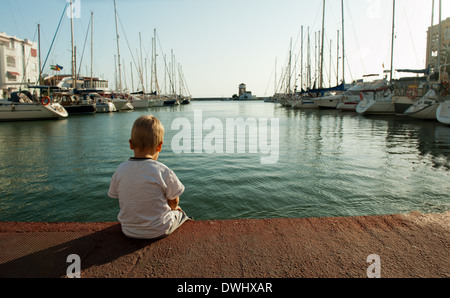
(412, 245)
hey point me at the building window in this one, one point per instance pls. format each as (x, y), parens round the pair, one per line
(10, 61)
(12, 77)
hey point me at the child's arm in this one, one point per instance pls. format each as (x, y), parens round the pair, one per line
(173, 204)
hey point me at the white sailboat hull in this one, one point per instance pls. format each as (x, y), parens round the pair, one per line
(402, 103)
(30, 111)
(376, 102)
(348, 103)
(422, 112)
(305, 103)
(425, 108)
(327, 102)
(139, 103)
(375, 107)
(122, 104)
(105, 107)
(155, 103)
(443, 112)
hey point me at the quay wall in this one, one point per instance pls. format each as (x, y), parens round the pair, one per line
(408, 245)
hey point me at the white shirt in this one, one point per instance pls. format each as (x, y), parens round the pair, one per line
(143, 187)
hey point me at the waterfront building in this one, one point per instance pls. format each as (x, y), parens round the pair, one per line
(244, 94)
(65, 81)
(433, 44)
(19, 64)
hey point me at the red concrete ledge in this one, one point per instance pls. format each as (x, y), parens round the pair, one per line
(409, 245)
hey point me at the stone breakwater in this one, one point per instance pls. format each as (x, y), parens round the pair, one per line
(408, 245)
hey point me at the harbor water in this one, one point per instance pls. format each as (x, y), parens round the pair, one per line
(316, 163)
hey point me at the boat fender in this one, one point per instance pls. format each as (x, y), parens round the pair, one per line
(412, 93)
(45, 100)
(445, 85)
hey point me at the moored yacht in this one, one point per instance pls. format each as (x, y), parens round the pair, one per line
(352, 96)
(407, 91)
(139, 101)
(328, 101)
(376, 102)
(443, 112)
(425, 108)
(122, 104)
(23, 106)
(305, 102)
(103, 104)
(74, 104)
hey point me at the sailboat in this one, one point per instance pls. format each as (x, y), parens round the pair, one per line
(426, 107)
(379, 101)
(325, 98)
(23, 106)
(407, 91)
(119, 99)
(73, 100)
(443, 112)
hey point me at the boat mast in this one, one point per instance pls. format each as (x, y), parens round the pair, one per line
(118, 51)
(337, 60)
(39, 49)
(440, 41)
(290, 69)
(141, 65)
(343, 45)
(392, 42)
(321, 49)
(309, 60)
(73, 47)
(301, 65)
(329, 76)
(92, 45)
(154, 72)
(132, 80)
(431, 39)
(275, 81)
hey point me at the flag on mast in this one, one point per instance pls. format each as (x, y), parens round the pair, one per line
(56, 67)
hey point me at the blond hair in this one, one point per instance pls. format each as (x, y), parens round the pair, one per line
(147, 133)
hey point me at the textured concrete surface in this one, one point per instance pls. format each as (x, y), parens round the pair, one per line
(408, 245)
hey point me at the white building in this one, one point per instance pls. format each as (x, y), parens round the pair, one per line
(244, 94)
(19, 64)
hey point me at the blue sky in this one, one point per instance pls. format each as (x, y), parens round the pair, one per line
(222, 43)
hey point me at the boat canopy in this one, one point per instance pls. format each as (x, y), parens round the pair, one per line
(424, 71)
(322, 91)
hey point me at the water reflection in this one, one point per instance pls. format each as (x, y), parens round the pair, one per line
(331, 163)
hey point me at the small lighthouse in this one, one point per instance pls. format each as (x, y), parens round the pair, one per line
(242, 89)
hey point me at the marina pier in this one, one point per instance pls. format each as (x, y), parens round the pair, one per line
(412, 245)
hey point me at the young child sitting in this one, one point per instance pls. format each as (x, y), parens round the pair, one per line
(148, 191)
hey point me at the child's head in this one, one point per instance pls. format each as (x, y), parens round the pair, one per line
(147, 134)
